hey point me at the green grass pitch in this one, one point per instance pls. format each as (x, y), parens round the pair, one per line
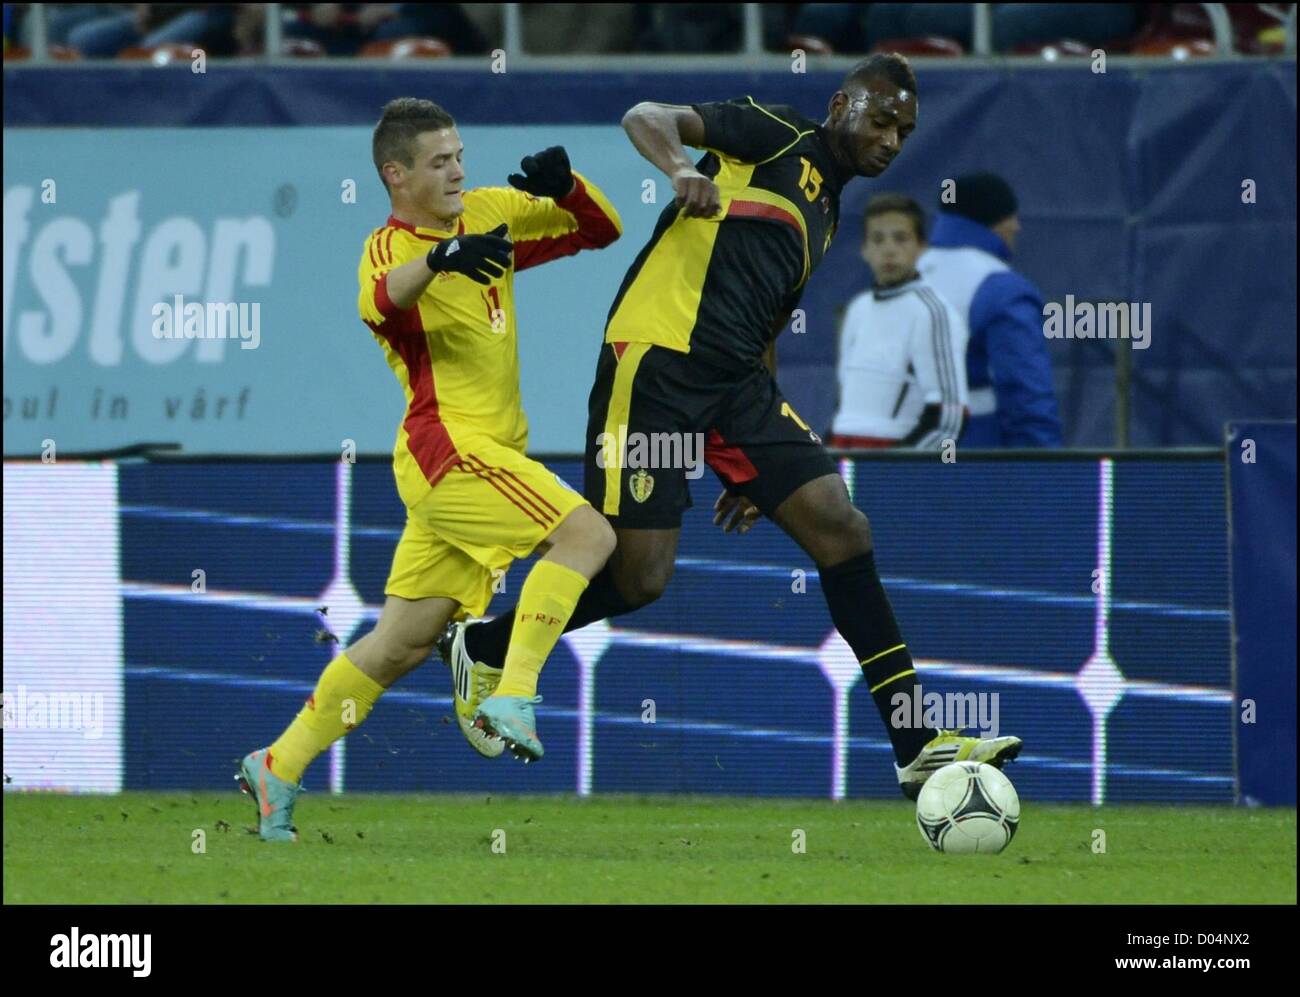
(139, 848)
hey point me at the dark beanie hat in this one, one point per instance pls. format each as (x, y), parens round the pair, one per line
(982, 197)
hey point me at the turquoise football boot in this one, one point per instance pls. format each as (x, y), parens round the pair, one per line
(273, 795)
(511, 719)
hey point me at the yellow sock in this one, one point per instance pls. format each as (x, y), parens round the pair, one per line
(343, 698)
(550, 593)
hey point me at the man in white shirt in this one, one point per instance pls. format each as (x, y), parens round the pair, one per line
(902, 367)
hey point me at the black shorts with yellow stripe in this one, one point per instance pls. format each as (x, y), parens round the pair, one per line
(657, 417)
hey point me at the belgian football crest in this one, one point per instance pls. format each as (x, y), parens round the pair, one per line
(641, 485)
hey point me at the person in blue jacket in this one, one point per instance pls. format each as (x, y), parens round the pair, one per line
(1009, 372)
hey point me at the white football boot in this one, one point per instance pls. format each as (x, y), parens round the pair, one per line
(472, 682)
(950, 746)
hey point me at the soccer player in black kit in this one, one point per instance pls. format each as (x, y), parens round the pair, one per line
(690, 349)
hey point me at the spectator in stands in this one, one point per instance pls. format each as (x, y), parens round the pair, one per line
(778, 24)
(688, 27)
(576, 28)
(857, 27)
(445, 21)
(249, 29)
(1012, 395)
(841, 25)
(1016, 24)
(338, 28)
(61, 18)
(208, 26)
(902, 366)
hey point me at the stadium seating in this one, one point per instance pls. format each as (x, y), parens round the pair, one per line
(811, 44)
(406, 48)
(931, 45)
(1167, 30)
(1256, 30)
(160, 55)
(61, 53)
(1175, 48)
(302, 48)
(1051, 51)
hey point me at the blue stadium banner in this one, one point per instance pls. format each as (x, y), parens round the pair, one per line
(1080, 603)
(1262, 483)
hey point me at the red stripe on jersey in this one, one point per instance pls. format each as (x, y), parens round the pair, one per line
(472, 469)
(427, 438)
(524, 494)
(728, 461)
(757, 209)
(619, 349)
(388, 249)
(842, 442)
(408, 227)
(595, 231)
(382, 301)
(370, 247)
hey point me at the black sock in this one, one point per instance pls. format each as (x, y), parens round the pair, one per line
(862, 614)
(488, 642)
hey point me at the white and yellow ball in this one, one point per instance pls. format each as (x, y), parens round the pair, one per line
(968, 807)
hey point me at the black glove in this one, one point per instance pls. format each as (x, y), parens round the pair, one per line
(548, 174)
(481, 258)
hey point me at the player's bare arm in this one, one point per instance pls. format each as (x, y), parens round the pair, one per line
(660, 133)
(407, 282)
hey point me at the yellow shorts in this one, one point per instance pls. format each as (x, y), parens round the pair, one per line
(492, 507)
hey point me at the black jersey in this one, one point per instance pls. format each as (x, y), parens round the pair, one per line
(719, 287)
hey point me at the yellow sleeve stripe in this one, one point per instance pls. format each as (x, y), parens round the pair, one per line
(798, 135)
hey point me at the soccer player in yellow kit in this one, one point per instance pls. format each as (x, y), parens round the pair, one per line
(437, 294)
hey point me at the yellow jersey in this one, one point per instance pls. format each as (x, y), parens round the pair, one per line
(454, 352)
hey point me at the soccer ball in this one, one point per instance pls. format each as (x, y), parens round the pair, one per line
(968, 807)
